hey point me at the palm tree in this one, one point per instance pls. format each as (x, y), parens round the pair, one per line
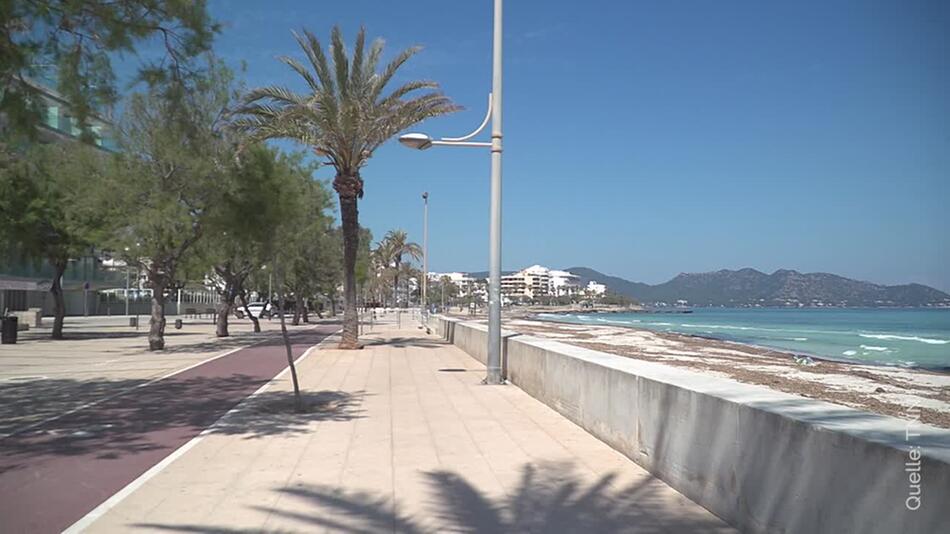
(344, 117)
(396, 244)
(379, 280)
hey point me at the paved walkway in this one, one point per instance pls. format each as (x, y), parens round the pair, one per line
(402, 437)
(101, 356)
(55, 473)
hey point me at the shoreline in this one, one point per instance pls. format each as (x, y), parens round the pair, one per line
(942, 369)
(883, 389)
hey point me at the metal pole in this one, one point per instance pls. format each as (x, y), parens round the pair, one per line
(127, 276)
(494, 254)
(425, 253)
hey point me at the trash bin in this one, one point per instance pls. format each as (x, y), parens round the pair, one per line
(178, 324)
(8, 330)
(133, 321)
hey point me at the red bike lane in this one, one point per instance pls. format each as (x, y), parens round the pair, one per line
(55, 473)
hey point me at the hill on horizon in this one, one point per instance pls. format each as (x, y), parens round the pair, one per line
(784, 287)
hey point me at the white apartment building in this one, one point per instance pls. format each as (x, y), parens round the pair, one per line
(529, 283)
(539, 281)
(564, 283)
(533, 282)
(466, 284)
(594, 288)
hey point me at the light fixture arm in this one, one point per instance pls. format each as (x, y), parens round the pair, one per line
(477, 130)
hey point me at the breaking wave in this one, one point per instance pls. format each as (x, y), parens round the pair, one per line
(927, 340)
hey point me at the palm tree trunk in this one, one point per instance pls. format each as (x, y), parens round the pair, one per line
(396, 285)
(59, 303)
(349, 188)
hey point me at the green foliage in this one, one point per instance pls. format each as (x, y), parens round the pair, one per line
(344, 116)
(307, 247)
(76, 38)
(616, 299)
(46, 212)
(346, 113)
(161, 190)
(253, 194)
(396, 245)
(364, 256)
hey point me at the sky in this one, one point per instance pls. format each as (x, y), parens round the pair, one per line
(645, 139)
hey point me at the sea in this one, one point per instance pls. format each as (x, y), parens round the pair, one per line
(914, 338)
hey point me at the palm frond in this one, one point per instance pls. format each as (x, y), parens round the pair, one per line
(340, 61)
(356, 70)
(343, 115)
(391, 68)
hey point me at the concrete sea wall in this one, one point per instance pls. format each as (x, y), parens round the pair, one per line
(763, 460)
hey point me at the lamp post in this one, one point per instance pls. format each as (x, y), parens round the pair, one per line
(421, 141)
(127, 276)
(425, 255)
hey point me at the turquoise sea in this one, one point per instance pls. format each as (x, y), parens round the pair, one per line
(901, 337)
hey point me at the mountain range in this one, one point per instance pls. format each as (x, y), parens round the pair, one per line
(784, 287)
(749, 287)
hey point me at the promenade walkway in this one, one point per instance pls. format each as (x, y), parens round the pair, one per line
(399, 437)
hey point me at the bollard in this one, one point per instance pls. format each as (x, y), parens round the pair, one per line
(8, 332)
(178, 324)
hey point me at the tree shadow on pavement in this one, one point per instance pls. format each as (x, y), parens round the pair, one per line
(157, 416)
(272, 413)
(406, 342)
(549, 497)
(41, 336)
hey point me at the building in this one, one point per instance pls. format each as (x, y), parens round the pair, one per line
(59, 125)
(25, 284)
(595, 289)
(464, 282)
(529, 283)
(468, 286)
(564, 284)
(539, 281)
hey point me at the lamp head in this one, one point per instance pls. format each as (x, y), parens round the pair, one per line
(418, 141)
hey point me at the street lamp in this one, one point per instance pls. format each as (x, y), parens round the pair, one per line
(270, 282)
(127, 276)
(421, 141)
(425, 256)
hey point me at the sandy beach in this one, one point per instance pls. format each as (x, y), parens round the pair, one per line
(905, 393)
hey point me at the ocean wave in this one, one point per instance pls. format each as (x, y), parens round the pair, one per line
(874, 348)
(927, 340)
(725, 327)
(849, 352)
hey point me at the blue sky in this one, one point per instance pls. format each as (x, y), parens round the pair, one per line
(644, 139)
